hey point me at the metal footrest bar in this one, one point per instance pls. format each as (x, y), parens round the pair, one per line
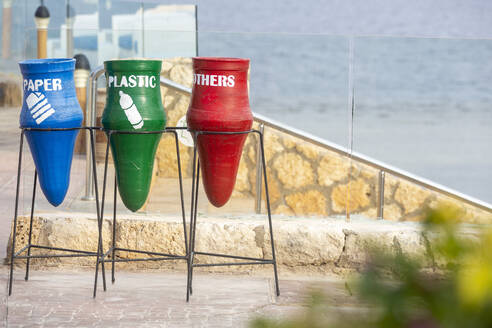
(145, 252)
(232, 256)
(63, 249)
(47, 256)
(23, 249)
(161, 255)
(26, 248)
(143, 259)
(16, 255)
(194, 201)
(103, 256)
(230, 264)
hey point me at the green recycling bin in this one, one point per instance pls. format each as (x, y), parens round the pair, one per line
(133, 103)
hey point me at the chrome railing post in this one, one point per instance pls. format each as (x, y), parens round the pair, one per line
(381, 195)
(258, 172)
(90, 120)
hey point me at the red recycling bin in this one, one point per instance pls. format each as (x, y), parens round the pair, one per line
(219, 103)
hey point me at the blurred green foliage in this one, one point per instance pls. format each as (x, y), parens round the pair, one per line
(399, 291)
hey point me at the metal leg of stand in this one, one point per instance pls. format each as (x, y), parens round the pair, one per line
(182, 198)
(113, 244)
(193, 220)
(29, 246)
(30, 225)
(103, 270)
(12, 251)
(181, 194)
(101, 214)
(190, 255)
(193, 224)
(154, 256)
(267, 197)
(195, 212)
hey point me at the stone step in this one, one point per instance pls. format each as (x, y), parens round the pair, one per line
(307, 245)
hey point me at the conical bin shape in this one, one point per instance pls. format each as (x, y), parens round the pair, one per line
(50, 102)
(220, 102)
(133, 103)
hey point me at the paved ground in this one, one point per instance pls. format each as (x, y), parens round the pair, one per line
(64, 299)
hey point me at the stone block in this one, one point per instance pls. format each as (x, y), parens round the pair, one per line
(242, 181)
(182, 74)
(252, 152)
(357, 192)
(332, 168)
(166, 67)
(311, 202)
(307, 149)
(166, 159)
(390, 184)
(289, 141)
(274, 188)
(411, 196)
(365, 171)
(392, 212)
(237, 238)
(371, 213)
(293, 171)
(283, 210)
(271, 144)
(301, 243)
(178, 110)
(382, 237)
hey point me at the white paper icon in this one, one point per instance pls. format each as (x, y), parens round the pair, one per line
(39, 107)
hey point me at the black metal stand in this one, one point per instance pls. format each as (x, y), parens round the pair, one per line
(102, 257)
(194, 202)
(75, 253)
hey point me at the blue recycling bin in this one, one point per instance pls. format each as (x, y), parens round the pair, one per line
(50, 102)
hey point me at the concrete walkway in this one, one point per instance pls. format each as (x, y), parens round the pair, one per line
(64, 299)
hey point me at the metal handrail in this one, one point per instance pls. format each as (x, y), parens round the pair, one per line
(265, 121)
(381, 166)
(175, 86)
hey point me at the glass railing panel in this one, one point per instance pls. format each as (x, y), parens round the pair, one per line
(423, 105)
(169, 30)
(170, 44)
(300, 80)
(105, 30)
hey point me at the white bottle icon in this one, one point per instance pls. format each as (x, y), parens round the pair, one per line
(131, 111)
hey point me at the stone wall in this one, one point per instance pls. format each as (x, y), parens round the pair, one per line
(304, 179)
